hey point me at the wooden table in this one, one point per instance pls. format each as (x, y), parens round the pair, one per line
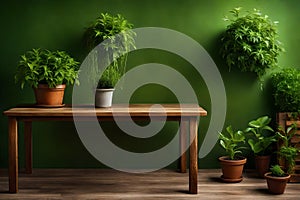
(186, 113)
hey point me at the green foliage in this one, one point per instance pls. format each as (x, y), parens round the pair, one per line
(47, 67)
(277, 171)
(287, 151)
(286, 89)
(261, 135)
(250, 42)
(115, 33)
(231, 142)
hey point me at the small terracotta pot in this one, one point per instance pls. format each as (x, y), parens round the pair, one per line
(232, 169)
(46, 96)
(276, 185)
(262, 164)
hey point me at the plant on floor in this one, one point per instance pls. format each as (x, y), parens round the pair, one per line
(277, 180)
(250, 42)
(287, 151)
(231, 142)
(286, 87)
(232, 164)
(277, 171)
(262, 136)
(42, 66)
(117, 38)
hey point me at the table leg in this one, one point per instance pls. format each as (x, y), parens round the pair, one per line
(28, 146)
(183, 146)
(193, 173)
(13, 154)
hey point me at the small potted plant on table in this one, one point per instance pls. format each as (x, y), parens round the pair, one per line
(232, 164)
(47, 72)
(261, 138)
(277, 180)
(118, 39)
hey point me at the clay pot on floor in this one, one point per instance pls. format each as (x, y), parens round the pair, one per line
(262, 164)
(276, 185)
(232, 169)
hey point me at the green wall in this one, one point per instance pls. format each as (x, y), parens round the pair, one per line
(55, 24)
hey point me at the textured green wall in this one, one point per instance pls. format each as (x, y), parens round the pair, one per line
(55, 24)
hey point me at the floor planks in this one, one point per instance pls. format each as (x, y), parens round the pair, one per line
(110, 184)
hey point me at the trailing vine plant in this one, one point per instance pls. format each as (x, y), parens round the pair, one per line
(118, 39)
(250, 42)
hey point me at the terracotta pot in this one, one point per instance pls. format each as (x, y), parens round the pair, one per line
(49, 97)
(276, 185)
(232, 169)
(262, 164)
(103, 97)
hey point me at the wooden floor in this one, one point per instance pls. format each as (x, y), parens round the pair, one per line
(110, 184)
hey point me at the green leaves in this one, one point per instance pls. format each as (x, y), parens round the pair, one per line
(115, 33)
(250, 42)
(287, 151)
(231, 142)
(44, 66)
(277, 171)
(261, 135)
(286, 89)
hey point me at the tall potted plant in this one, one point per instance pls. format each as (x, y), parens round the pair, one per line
(287, 152)
(232, 164)
(286, 86)
(115, 33)
(250, 42)
(260, 139)
(47, 72)
(277, 180)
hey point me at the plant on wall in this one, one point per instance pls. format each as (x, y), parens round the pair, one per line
(250, 42)
(286, 89)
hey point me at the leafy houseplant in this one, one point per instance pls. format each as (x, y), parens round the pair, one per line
(117, 38)
(232, 164)
(250, 42)
(47, 71)
(286, 87)
(261, 138)
(277, 180)
(287, 152)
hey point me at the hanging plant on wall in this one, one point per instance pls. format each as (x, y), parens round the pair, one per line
(250, 42)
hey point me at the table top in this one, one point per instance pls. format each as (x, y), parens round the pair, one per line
(141, 110)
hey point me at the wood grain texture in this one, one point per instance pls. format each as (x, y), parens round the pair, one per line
(184, 125)
(193, 178)
(13, 154)
(28, 146)
(108, 184)
(116, 110)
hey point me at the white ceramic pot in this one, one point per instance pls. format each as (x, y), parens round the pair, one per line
(103, 97)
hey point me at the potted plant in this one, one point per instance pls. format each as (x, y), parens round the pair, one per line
(250, 42)
(47, 72)
(287, 152)
(115, 33)
(286, 86)
(232, 164)
(277, 180)
(260, 140)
